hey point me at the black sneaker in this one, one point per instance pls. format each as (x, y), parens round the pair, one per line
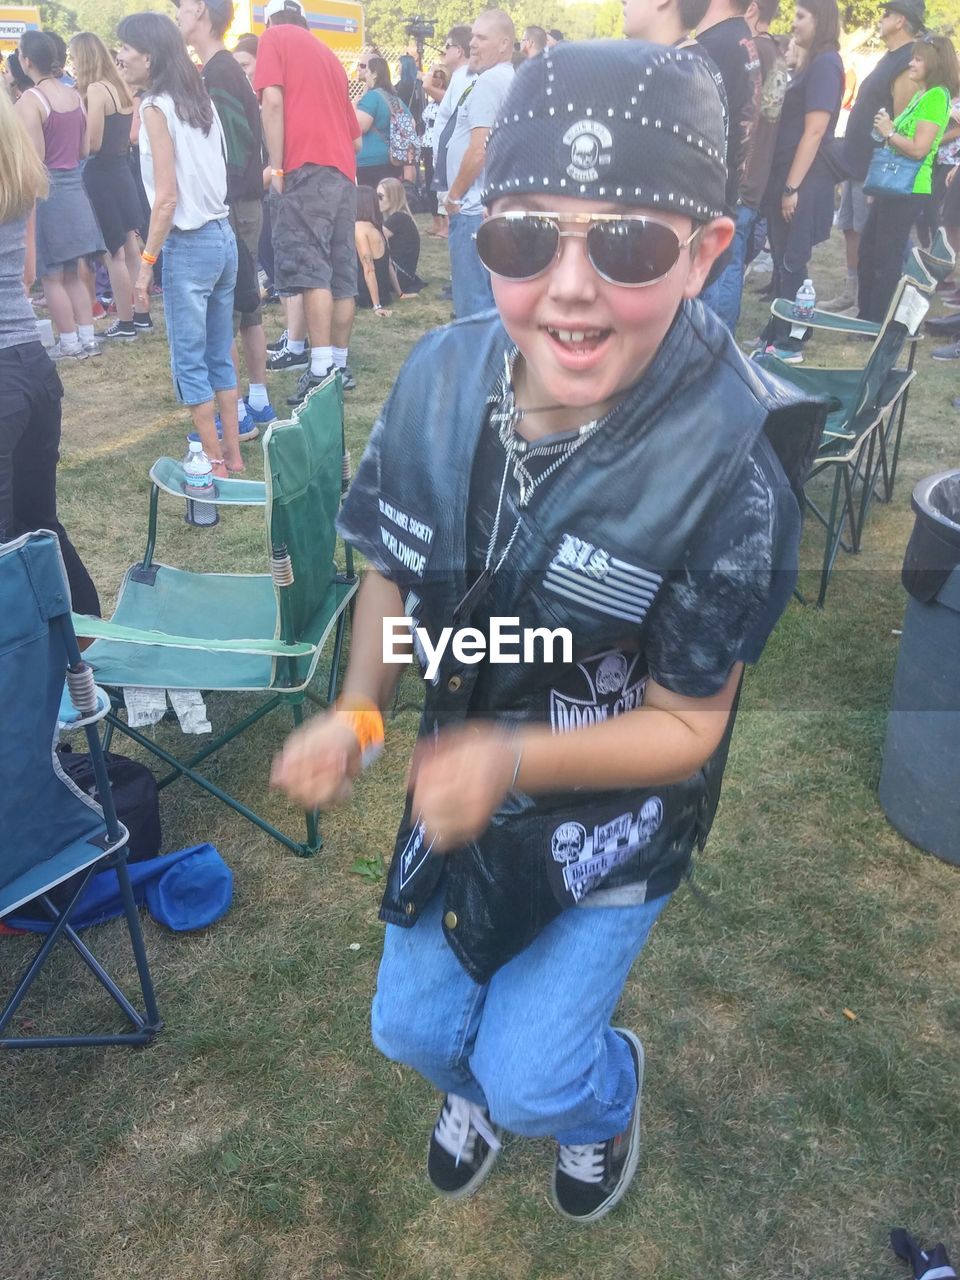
(463, 1148)
(280, 343)
(280, 361)
(121, 331)
(347, 378)
(592, 1177)
(306, 384)
(142, 321)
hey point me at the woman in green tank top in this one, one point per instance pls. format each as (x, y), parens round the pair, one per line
(916, 134)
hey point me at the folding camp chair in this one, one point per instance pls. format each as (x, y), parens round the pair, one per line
(261, 633)
(861, 438)
(49, 829)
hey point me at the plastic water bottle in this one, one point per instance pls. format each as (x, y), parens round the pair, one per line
(805, 301)
(198, 483)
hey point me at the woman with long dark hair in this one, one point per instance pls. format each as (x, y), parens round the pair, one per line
(66, 227)
(374, 111)
(916, 134)
(184, 172)
(14, 80)
(799, 199)
(375, 279)
(106, 175)
(31, 390)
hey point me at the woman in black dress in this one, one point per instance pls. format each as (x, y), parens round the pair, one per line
(401, 234)
(799, 199)
(106, 175)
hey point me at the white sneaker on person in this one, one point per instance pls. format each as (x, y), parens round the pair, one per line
(59, 352)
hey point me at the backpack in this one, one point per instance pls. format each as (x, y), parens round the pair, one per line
(405, 142)
(417, 105)
(136, 799)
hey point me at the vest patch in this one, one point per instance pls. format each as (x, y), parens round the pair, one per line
(591, 577)
(414, 855)
(605, 688)
(405, 549)
(587, 859)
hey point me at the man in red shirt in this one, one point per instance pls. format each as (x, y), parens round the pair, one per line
(312, 138)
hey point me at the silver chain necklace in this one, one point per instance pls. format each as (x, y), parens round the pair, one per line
(507, 417)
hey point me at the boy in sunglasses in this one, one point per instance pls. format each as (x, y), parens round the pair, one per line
(596, 456)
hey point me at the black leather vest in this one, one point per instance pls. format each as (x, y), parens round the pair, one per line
(591, 552)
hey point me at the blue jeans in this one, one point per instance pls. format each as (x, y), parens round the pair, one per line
(471, 280)
(534, 1045)
(725, 294)
(199, 275)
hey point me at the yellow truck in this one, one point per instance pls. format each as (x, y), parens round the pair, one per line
(338, 23)
(14, 21)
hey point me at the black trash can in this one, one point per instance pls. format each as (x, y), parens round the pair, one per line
(920, 778)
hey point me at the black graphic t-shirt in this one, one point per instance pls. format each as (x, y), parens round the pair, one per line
(236, 105)
(731, 46)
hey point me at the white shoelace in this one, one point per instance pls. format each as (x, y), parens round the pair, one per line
(584, 1162)
(457, 1128)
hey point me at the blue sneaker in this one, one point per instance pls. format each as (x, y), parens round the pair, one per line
(262, 417)
(248, 426)
(787, 354)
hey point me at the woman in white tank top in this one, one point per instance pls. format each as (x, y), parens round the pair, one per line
(182, 161)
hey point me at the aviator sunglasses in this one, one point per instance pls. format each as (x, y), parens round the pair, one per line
(623, 248)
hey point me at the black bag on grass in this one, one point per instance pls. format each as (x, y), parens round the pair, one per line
(135, 797)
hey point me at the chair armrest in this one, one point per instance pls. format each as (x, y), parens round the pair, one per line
(98, 629)
(68, 717)
(782, 308)
(167, 474)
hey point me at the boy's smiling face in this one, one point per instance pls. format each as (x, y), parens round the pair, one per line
(585, 341)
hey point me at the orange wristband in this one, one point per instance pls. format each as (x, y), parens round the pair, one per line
(364, 718)
(149, 258)
(277, 173)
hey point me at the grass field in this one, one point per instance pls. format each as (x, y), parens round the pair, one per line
(262, 1137)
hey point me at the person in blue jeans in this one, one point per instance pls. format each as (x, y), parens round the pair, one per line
(184, 173)
(491, 53)
(593, 467)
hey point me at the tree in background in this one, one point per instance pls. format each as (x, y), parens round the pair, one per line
(386, 19)
(99, 16)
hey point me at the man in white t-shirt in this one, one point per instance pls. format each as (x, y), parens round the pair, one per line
(491, 54)
(456, 62)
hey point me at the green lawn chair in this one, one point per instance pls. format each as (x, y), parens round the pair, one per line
(860, 444)
(262, 633)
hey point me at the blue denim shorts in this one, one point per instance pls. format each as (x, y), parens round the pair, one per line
(199, 275)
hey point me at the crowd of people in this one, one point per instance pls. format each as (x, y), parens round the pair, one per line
(590, 194)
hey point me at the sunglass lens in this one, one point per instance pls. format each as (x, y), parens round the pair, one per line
(632, 252)
(517, 248)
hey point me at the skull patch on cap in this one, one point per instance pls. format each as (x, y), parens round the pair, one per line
(590, 149)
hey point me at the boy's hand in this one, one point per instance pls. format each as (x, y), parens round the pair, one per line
(318, 763)
(459, 781)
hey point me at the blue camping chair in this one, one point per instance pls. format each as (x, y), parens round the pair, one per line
(49, 829)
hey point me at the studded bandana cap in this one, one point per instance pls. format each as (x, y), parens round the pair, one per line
(613, 120)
